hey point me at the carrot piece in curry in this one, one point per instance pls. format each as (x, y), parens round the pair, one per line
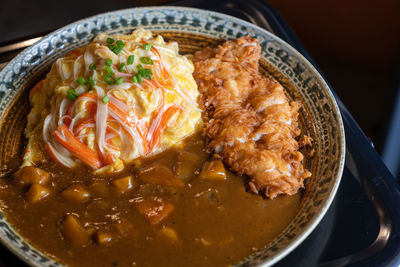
(213, 170)
(154, 211)
(102, 238)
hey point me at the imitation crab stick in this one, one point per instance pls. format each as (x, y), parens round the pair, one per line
(161, 71)
(107, 158)
(128, 119)
(158, 129)
(167, 79)
(90, 157)
(58, 157)
(83, 124)
(88, 96)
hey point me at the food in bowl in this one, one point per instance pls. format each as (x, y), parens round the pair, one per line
(249, 120)
(108, 103)
(167, 203)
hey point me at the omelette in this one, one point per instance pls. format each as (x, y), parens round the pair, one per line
(117, 99)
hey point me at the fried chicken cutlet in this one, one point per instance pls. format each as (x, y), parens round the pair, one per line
(249, 122)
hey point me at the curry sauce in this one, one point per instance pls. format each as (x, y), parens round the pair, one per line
(179, 208)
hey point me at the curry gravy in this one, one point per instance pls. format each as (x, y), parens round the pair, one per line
(214, 222)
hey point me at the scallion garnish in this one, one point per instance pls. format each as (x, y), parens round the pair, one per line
(109, 70)
(115, 48)
(145, 73)
(130, 60)
(81, 81)
(108, 78)
(105, 99)
(110, 40)
(71, 94)
(146, 60)
(146, 46)
(91, 81)
(108, 62)
(92, 66)
(139, 78)
(112, 47)
(121, 67)
(118, 49)
(119, 80)
(120, 43)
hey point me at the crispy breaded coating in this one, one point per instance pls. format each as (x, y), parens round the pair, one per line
(249, 122)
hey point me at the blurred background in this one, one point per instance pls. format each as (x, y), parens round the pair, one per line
(355, 43)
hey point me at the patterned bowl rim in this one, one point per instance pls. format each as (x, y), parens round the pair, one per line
(327, 202)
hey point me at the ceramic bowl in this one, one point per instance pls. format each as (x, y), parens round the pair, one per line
(192, 29)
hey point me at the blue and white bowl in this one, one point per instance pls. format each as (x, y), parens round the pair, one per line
(193, 29)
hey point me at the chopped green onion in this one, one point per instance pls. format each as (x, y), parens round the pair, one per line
(146, 60)
(120, 43)
(119, 80)
(108, 62)
(112, 47)
(130, 60)
(92, 66)
(109, 78)
(139, 77)
(121, 67)
(146, 46)
(118, 49)
(81, 81)
(145, 73)
(71, 94)
(91, 81)
(105, 99)
(110, 40)
(109, 70)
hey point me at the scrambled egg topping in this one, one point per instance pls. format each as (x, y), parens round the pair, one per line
(117, 99)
